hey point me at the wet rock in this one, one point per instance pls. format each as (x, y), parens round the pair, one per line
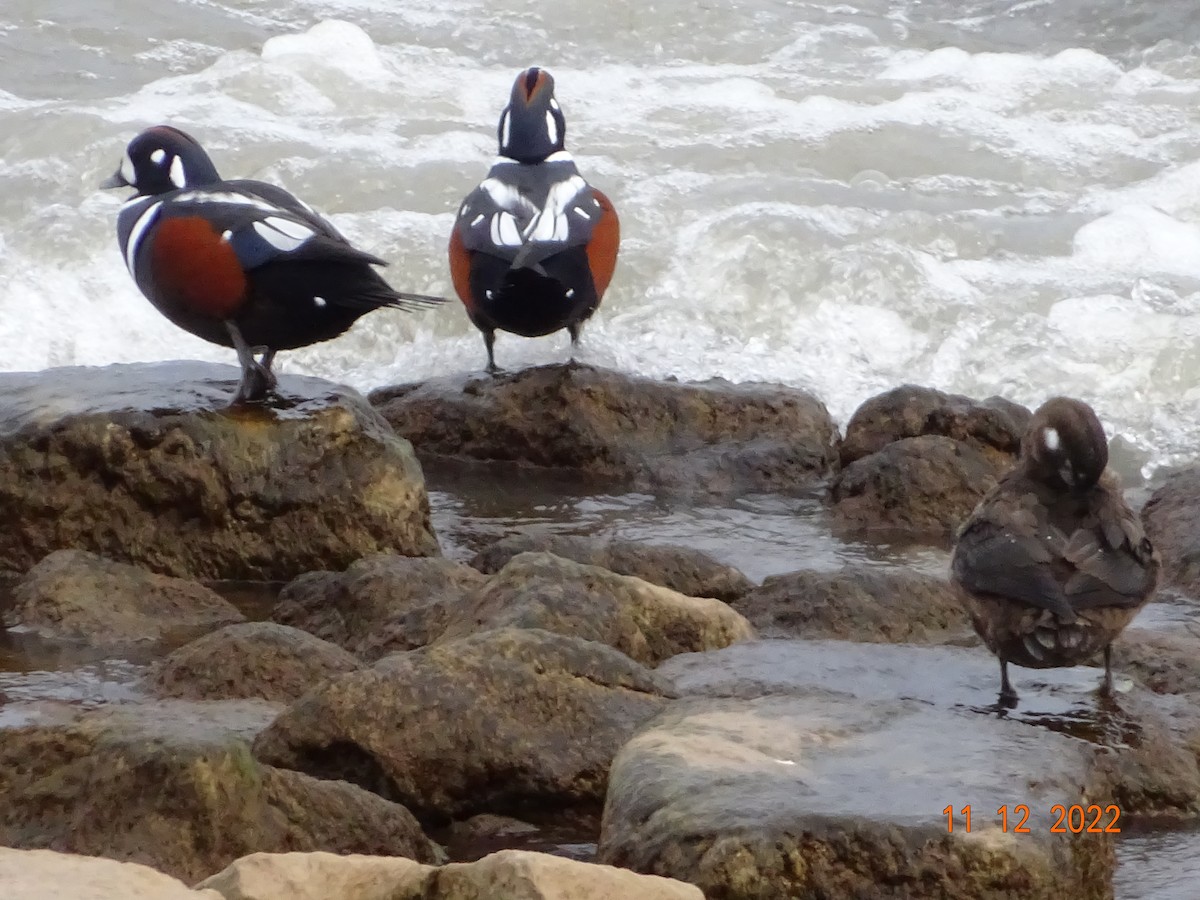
(149, 464)
(255, 659)
(1140, 750)
(1166, 663)
(1172, 519)
(380, 604)
(507, 875)
(496, 722)
(681, 569)
(857, 604)
(47, 875)
(185, 798)
(710, 437)
(79, 596)
(994, 425)
(811, 796)
(922, 487)
(646, 622)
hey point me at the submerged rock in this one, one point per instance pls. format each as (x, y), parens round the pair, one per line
(47, 875)
(380, 604)
(185, 798)
(79, 596)
(495, 722)
(507, 875)
(709, 437)
(255, 659)
(1172, 519)
(644, 621)
(681, 569)
(858, 603)
(149, 464)
(994, 425)
(921, 487)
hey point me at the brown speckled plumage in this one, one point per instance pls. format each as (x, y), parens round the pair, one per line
(1053, 564)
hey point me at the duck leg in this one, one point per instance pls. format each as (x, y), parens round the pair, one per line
(257, 378)
(573, 330)
(1008, 697)
(489, 341)
(1106, 686)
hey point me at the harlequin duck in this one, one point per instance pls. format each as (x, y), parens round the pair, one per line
(1053, 564)
(239, 263)
(534, 246)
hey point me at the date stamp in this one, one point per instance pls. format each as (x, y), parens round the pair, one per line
(1073, 819)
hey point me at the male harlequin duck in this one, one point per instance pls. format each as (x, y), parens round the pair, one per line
(534, 246)
(239, 263)
(1053, 564)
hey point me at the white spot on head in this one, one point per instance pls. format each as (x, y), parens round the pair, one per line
(158, 156)
(1051, 439)
(552, 127)
(319, 302)
(127, 170)
(178, 176)
(570, 293)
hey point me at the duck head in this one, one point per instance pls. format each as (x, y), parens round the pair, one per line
(532, 126)
(163, 159)
(1065, 446)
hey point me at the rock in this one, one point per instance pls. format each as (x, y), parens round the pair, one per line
(646, 622)
(681, 569)
(496, 722)
(185, 798)
(711, 437)
(1166, 663)
(520, 875)
(78, 596)
(380, 604)
(507, 875)
(1172, 519)
(916, 487)
(320, 876)
(1140, 751)
(994, 425)
(149, 464)
(857, 603)
(256, 659)
(809, 796)
(47, 875)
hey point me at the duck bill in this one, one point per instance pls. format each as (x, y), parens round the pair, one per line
(115, 180)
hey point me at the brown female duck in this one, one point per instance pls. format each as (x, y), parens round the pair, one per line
(1053, 564)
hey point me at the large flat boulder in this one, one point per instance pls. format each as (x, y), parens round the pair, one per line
(78, 596)
(149, 464)
(644, 621)
(496, 722)
(507, 875)
(682, 569)
(184, 795)
(47, 875)
(710, 437)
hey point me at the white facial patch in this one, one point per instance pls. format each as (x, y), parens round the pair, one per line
(505, 129)
(178, 176)
(282, 234)
(319, 302)
(551, 127)
(145, 220)
(127, 170)
(1051, 439)
(553, 104)
(158, 156)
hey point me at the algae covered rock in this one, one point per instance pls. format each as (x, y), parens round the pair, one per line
(149, 464)
(494, 722)
(710, 437)
(78, 596)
